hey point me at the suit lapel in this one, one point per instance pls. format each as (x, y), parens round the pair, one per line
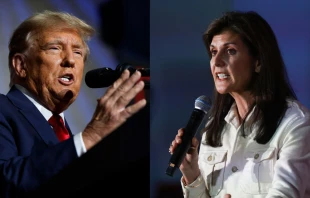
(67, 126)
(33, 116)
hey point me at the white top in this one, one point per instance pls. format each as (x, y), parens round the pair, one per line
(77, 138)
(246, 169)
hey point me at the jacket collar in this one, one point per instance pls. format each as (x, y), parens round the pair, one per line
(33, 116)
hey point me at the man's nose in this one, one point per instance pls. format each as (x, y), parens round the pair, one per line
(68, 59)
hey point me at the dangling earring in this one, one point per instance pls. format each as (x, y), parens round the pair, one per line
(257, 69)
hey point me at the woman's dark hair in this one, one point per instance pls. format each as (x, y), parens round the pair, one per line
(270, 88)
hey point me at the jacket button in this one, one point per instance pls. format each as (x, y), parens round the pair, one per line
(210, 158)
(234, 169)
(256, 156)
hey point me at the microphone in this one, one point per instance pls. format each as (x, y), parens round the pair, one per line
(104, 77)
(202, 106)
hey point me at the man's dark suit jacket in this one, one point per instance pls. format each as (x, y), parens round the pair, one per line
(33, 160)
(30, 152)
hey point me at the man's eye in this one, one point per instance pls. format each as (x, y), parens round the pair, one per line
(53, 48)
(78, 52)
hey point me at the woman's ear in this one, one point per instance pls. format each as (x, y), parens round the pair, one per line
(19, 65)
(257, 66)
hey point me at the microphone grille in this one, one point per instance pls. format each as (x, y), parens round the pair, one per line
(203, 103)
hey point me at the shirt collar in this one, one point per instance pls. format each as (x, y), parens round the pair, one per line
(44, 111)
(232, 116)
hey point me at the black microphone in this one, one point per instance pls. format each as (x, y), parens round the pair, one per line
(104, 77)
(202, 106)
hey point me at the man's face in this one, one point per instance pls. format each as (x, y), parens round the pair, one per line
(54, 68)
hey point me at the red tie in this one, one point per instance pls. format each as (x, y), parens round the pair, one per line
(58, 125)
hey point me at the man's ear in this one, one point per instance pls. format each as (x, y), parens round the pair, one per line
(257, 66)
(19, 65)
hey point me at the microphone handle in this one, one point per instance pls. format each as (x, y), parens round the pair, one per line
(121, 67)
(189, 132)
(145, 72)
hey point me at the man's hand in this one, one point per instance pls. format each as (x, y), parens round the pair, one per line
(112, 110)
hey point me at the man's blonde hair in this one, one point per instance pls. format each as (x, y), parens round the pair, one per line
(25, 33)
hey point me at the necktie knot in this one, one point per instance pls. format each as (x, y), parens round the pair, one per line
(59, 127)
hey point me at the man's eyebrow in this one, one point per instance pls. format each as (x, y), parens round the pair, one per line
(58, 41)
(54, 41)
(78, 45)
(49, 43)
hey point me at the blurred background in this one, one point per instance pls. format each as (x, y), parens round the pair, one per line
(180, 66)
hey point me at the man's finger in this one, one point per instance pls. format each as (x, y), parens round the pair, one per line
(124, 76)
(126, 85)
(129, 96)
(132, 109)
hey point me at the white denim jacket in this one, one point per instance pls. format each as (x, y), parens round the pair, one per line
(246, 169)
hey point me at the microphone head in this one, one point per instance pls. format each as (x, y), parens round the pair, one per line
(203, 103)
(123, 66)
(102, 77)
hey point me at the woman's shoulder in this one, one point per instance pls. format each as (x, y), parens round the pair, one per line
(296, 108)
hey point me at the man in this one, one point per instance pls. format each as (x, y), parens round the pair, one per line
(46, 61)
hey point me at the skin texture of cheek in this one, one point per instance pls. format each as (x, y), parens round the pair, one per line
(240, 75)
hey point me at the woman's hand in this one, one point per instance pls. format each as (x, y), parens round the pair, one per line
(189, 166)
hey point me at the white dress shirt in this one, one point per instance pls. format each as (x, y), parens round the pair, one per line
(77, 138)
(246, 169)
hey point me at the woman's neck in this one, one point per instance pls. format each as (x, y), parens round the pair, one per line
(244, 103)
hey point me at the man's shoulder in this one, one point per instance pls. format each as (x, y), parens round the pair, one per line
(3, 99)
(5, 104)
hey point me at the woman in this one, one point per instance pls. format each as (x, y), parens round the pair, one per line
(255, 143)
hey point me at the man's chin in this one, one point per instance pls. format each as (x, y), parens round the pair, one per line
(62, 100)
(66, 96)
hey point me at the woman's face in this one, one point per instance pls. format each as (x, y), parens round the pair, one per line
(231, 64)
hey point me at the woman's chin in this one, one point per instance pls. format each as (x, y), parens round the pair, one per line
(222, 91)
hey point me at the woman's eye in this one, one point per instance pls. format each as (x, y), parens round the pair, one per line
(231, 51)
(213, 52)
